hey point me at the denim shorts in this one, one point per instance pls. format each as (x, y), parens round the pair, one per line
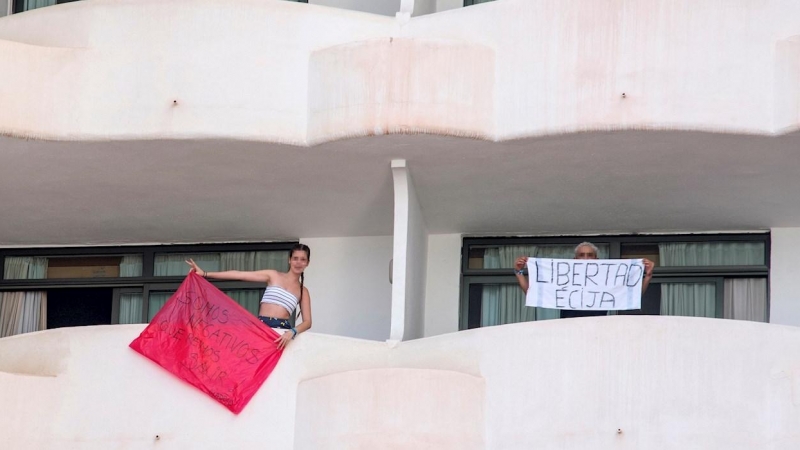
(274, 322)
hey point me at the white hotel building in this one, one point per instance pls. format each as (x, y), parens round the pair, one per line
(418, 147)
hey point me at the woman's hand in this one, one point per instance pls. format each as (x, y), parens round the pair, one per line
(284, 339)
(195, 268)
(521, 262)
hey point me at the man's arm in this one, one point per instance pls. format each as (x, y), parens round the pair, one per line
(520, 263)
(648, 273)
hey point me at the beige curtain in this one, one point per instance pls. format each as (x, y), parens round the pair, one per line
(746, 299)
(23, 312)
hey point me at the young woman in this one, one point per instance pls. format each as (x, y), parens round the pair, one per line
(284, 292)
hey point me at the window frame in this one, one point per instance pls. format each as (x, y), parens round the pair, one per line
(145, 283)
(672, 274)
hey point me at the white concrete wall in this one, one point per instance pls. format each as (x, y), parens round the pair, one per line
(444, 5)
(450, 74)
(416, 267)
(784, 293)
(5, 7)
(787, 89)
(348, 279)
(340, 411)
(422, 7)
(442, 284)
(668, 383)
(683, 64)
(410, 258)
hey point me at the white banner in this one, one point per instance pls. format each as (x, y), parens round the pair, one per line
(585, 284)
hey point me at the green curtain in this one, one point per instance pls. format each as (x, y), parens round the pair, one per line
(678, 254)
(276, 260)
(155, 302)
(130, 266)
(130, 308)
(505, 303)
(688, 299)
(250, 299)
(174, 264)
(28, 5)
(503, 256)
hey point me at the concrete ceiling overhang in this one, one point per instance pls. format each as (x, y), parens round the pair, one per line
(173, 120)
(77, 193)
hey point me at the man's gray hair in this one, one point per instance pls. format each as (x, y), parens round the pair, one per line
(590, 245)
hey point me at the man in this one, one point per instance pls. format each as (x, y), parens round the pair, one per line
(584, 250)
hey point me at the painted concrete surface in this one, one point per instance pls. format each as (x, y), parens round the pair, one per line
(266, 70)
(599, 383)
(784, 299)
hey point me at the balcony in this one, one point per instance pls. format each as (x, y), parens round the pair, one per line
(382, 7)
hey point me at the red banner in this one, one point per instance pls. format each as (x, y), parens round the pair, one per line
(212, 343)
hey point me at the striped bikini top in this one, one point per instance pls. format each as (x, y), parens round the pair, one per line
(277, 295)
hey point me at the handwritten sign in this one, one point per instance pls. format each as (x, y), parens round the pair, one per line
(208, 340)
(585, 284)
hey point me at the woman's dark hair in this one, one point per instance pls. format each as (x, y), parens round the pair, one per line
(301, 248)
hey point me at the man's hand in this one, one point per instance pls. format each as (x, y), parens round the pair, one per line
(648, 273)
(648, 267)
(521, 262)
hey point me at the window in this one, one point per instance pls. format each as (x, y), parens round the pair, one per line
(49, 288)
(722, 276)
(27, 5)
(48, 267)
(174, 264)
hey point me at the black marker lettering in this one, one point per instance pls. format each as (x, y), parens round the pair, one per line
(564, 275)
(607, 297)
(575, 273)
(621, 275)
(562, 290)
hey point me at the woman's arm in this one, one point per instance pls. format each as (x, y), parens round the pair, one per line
(305, 310)
(258, 276)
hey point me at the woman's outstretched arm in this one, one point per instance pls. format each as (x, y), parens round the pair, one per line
(258, 276)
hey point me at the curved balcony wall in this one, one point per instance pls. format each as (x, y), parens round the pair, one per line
(297, 73)
(601, 383)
